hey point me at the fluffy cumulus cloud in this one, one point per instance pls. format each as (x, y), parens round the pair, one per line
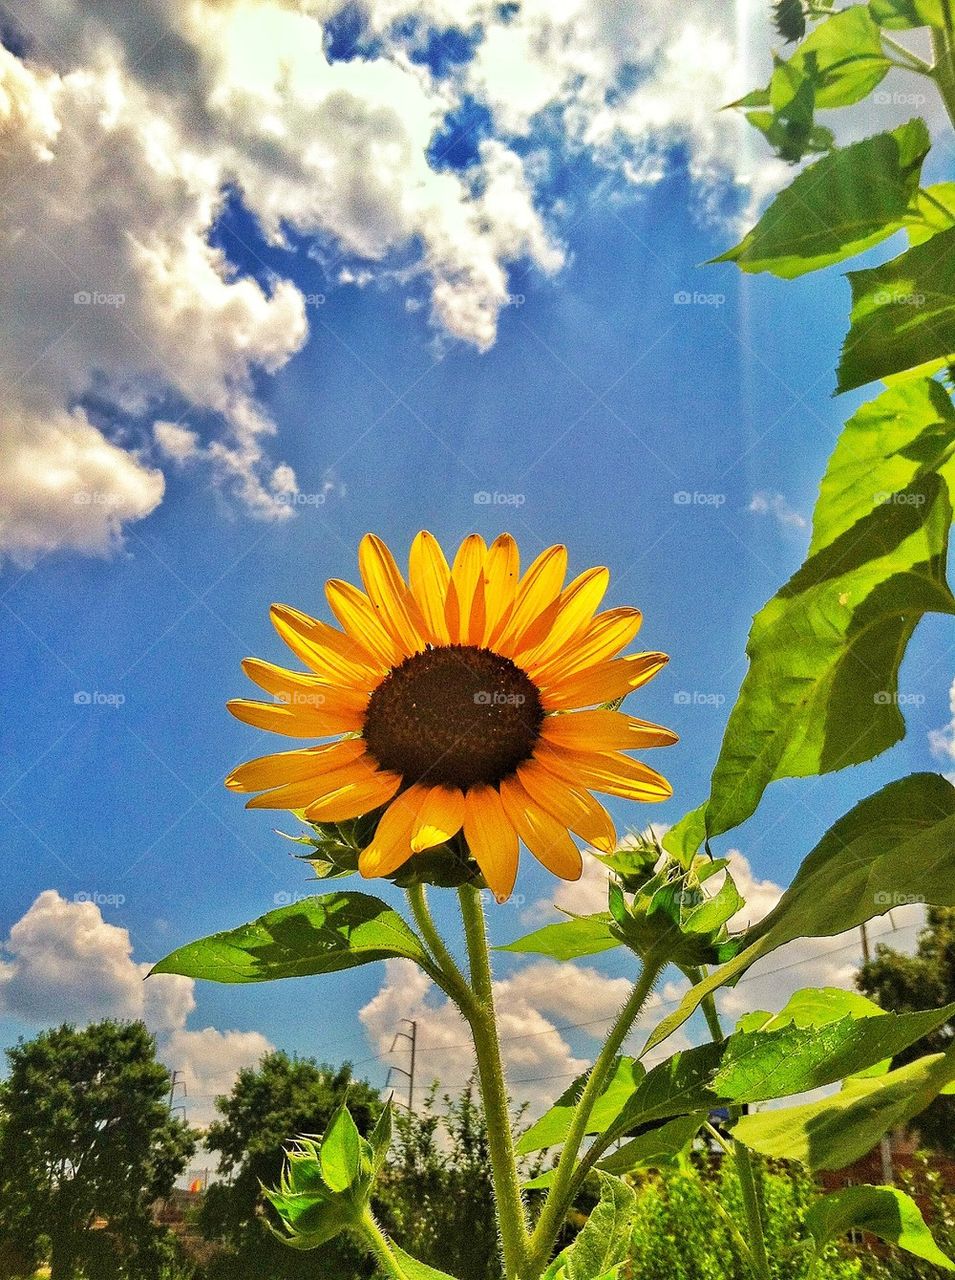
(414, 143)
(534, 1003)
(62, 962)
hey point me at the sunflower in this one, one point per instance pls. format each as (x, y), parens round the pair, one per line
(465, 700)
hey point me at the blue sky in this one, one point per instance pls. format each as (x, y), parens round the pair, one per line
(600, 400)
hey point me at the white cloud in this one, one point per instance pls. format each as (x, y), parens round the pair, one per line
(532, 1004)
(64, 484)
(67, 964)
(764, 503)
(125, 127)
(942, 741)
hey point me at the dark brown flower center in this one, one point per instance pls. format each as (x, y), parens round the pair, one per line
(456, 715)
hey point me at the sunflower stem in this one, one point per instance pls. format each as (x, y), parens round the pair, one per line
(559, 1198)
(742, 1159)
(511, 1211)
(456, 984)
(380, 1246)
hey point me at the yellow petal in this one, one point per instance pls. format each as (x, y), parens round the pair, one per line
(575, 611)
(359, 774)
(296, 688)
(389, 596)
(576, 809)
(491, 839)
(296, 721)
(430, 577)
(330, 654)
(502, 570)
(604, 731)
(548, 840)
(440, 817)
(538, 590)
(391, 844)
(352, 799)
(604, 682)
(356, 614)
(293, 766)
(465, 605)
(613, 773)
(602, 640)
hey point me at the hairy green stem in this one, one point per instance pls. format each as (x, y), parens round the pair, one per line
(456, 983)
(754, 1212)
(511, 1211)
(943, 73)
(381, 1247)
(559, 1197)
(742, 1159)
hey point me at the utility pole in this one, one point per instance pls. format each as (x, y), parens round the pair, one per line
(177, 1081)
(412, 1037)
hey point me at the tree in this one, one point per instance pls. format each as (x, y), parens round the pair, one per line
(903, 983)
(269, 1105)
(87, 1140)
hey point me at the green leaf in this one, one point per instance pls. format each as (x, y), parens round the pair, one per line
(655, 1148)
(759, 1065)
(903, 313)
(906, 432)
(317, 935)
(846, 202)
(604, 1240)
(380, 1140)
(568, 939)
(340, 1152)
(932, 210)
(744, 1068)
(821, 690)
(895, 846)
(885, 1212)
(897, 15)
(843, 57)
(415, 1270)
(552, 1127)
(812, 1007)
(834, 1132)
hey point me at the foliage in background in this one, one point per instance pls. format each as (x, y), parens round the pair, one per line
(902, 982)
(86, 1141)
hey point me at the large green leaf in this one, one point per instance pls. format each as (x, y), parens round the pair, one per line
(895, 846)
(843, 57)
(885, 458)
(851, 199)
(821, 692)
(840, 1129)
(746, 1067)
(317, 935)
(903, 313)
(604, 1240)
(885, 1212)
(897, 15)
(906, 432)
(568, 939)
